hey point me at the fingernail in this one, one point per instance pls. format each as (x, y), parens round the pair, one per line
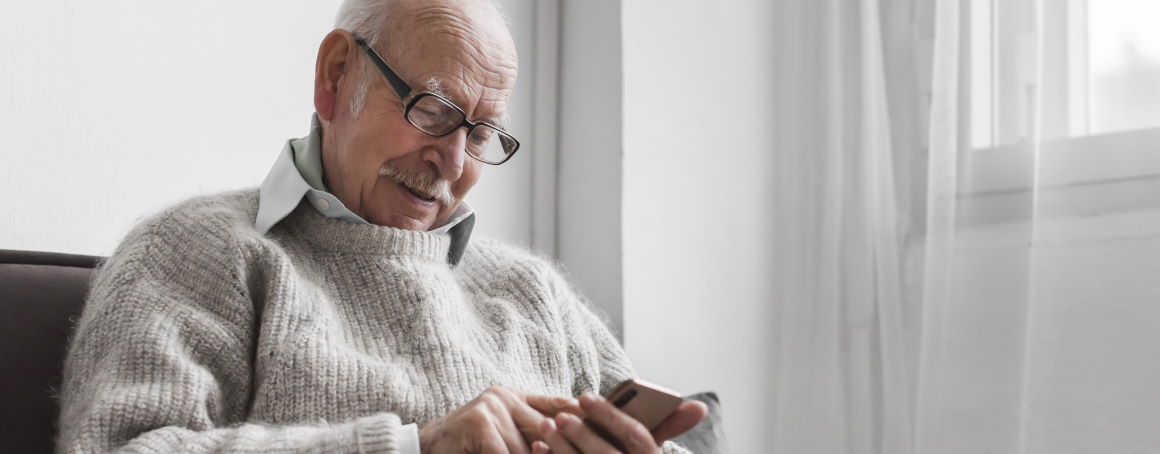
(549, 424)
(539, 446)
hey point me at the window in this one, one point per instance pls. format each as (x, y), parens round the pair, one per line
(1123, 67)
(1078, 83)
(1096, 67)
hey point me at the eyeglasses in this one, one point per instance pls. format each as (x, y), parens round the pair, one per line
(437, 116)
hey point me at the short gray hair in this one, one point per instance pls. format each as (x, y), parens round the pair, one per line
(366, 18)
(363, 17)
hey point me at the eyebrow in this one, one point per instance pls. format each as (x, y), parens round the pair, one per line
(434, 86)
(501, 121)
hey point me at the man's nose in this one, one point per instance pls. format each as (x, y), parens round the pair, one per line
(448, 154)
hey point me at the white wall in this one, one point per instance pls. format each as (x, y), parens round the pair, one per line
(1081, 369)
(697, 217)
(112, 110)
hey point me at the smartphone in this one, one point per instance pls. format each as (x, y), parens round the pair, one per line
(648, 403)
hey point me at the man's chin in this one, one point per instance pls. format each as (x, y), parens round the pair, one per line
(402, 221)
(397, 207)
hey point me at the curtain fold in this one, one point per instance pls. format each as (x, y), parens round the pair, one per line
(961, 269)
(936, 243)
(844, 381)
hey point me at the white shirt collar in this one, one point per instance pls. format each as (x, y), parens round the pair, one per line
(284, 187)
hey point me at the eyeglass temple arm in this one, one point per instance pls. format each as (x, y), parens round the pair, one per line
(401, 88)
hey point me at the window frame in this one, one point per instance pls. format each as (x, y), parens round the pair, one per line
(1085, 173)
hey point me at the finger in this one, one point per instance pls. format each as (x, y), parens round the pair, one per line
(580, 435)
(687, 416)
(494, 443)
(516, 443)
(503, 422)
(527, 419)
(624, 429)
(550, 405)
(556, 440)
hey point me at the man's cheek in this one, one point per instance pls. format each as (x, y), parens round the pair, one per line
(465, 183)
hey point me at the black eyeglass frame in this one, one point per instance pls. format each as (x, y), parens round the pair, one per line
(410, 98)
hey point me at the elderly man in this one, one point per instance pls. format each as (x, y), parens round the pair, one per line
(342, 307)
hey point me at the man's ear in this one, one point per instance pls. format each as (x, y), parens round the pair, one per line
(334, 60)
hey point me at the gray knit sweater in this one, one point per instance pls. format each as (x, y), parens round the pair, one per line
(202, 335)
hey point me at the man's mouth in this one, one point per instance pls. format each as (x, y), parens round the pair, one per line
(427, 188)
(418, 194)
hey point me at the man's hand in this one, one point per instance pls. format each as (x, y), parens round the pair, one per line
(500, 420)
(568, 433)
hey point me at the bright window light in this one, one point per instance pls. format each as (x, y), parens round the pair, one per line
(1124, 59)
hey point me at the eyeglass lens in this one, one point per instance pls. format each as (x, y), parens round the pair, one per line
(436, 117)
(433, 116)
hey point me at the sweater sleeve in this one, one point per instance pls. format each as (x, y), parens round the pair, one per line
(161, 359)
(597, 357)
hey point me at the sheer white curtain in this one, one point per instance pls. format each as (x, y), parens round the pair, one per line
(842, 375)
(970, 253)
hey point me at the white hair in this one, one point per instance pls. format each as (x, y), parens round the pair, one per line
(366, 19)
(363, 17)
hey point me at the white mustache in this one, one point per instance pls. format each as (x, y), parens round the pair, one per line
(425, 183)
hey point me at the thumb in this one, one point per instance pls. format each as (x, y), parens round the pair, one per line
(687, 416)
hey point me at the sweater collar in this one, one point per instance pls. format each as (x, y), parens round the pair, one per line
(336, 235)
(296, 178)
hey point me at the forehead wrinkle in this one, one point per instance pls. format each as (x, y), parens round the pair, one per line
(467, 60)
(488, 48)
(500, 120)
(465, 52)
(444, 69)
(469, 93)
(499, 98)
(449, 20)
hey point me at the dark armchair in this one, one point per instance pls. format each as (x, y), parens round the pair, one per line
(40, 293)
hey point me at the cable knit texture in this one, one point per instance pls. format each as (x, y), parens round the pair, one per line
(202, 335)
